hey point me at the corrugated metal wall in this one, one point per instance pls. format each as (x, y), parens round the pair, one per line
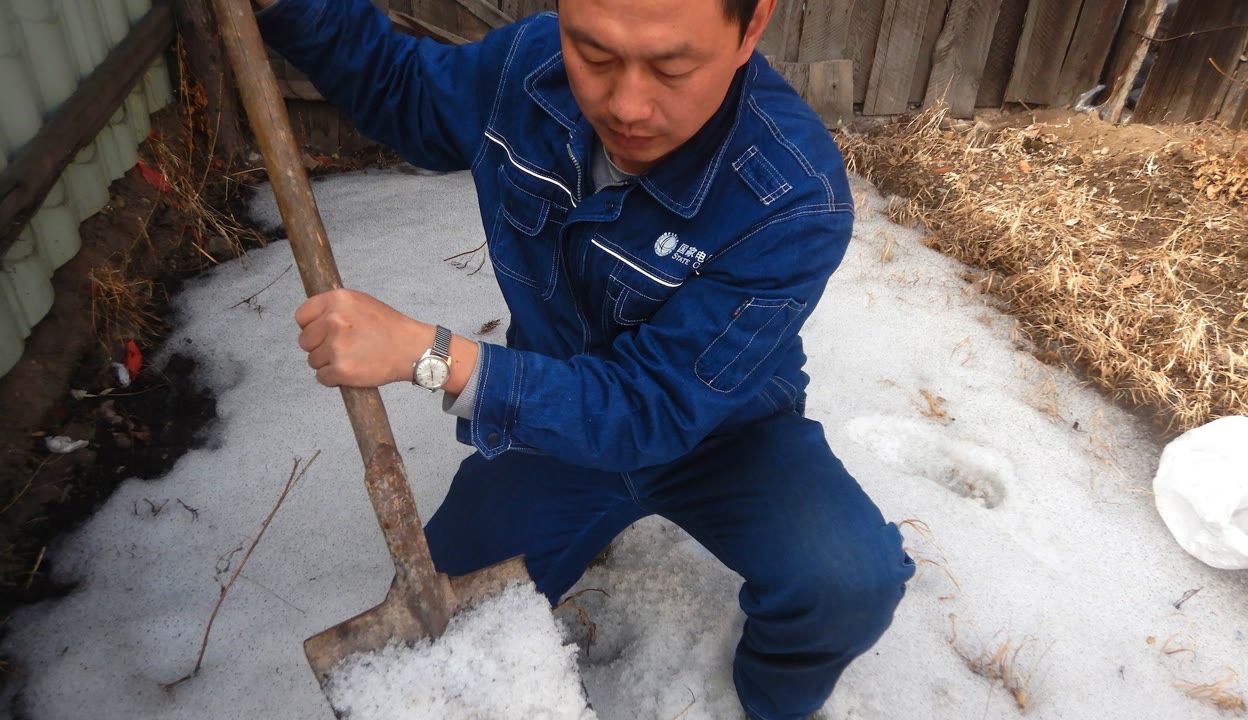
(47, 47)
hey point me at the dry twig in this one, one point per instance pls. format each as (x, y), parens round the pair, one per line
(591, 629)
(296, 474)
(250, 298)
(1178, 604)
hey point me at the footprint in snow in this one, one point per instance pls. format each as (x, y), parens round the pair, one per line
(935, 453)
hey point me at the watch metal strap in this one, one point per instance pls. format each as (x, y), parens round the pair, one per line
(442, 342)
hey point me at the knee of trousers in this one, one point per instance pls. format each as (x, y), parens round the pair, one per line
(835, 592)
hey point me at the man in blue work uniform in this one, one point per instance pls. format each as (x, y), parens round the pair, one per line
(662, 214)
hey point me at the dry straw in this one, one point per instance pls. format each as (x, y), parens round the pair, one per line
(1131, 267)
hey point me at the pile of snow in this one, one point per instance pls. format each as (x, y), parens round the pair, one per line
(1202, 492)
(502, 659)
(1027, 495)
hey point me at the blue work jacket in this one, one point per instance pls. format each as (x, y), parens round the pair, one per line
(644, 317)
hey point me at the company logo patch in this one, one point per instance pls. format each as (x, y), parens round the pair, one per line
(665, 244)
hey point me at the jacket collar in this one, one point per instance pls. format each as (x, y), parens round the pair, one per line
(682, 180)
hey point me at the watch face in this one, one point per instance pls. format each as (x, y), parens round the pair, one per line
(432, 372)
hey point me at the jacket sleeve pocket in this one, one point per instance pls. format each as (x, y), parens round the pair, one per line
(756, 329)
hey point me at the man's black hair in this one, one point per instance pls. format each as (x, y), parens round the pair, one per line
(742, 11)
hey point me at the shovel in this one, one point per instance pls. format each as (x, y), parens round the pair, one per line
(421, 601)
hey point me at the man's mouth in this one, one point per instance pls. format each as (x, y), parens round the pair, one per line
(629, 142)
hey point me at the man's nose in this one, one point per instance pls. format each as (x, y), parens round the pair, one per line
(630, 101)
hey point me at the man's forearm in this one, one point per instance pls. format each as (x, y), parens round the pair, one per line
(262, 4)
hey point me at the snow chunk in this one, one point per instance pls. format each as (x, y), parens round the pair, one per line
(503, 659)
(1202, 492)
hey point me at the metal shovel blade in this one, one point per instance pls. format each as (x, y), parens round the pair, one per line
(421, 600)
(393, 620)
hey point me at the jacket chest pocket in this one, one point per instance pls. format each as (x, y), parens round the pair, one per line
(633, 293)
(524, 238)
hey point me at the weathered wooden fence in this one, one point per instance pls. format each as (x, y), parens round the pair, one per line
(888, 57)
(973, 54)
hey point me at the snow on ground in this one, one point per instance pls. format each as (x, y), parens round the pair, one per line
(1042, 557)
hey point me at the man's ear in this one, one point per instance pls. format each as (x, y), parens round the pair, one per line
(758, 24)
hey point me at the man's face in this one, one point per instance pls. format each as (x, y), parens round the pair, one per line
(648, 74)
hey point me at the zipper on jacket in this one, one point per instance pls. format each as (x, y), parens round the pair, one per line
(511, 158)
(580, 181)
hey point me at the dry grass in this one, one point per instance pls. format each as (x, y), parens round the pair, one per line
(1043, 395)
(1007, 664)
(120, 304)
(887, 254)
(196, 200)
(925, 557)
(1127, 266)
(1222, 694)
(209, 225)
(935, 405)
(200, 183)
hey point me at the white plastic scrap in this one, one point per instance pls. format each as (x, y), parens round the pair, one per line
(1201, 489)
(122, 374)
(61, 444)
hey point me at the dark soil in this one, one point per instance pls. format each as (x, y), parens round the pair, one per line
(134, 431)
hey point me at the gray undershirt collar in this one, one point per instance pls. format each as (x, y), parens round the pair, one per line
(604, 172)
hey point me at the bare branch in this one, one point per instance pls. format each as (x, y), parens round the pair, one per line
(296, 474)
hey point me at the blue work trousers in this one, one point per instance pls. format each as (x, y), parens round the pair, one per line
(823, 571)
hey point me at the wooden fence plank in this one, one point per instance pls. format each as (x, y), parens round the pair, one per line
(960, 54)
(831, 91)
(1089, 49)
(1139, 24)
(205, 57)
(866, 20)
(1000, 63)
(896, 52)
(488, 13)
(1213, 83)
(826, 85)
(1234, 107)
(826, 35)
(784, 33)
(936, 13)
(451, 16)
(524, 8)
(1183, 83)
(825, 30)
(1041, 50)
(796, 74)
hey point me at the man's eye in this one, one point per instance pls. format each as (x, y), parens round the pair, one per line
(667, 75)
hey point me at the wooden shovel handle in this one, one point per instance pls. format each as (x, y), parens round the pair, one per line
(266, 109)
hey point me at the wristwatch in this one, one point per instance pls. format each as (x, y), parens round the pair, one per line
(433, 368)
